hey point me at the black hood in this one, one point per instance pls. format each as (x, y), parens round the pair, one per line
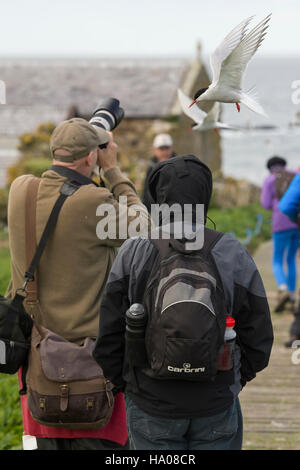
(182, 180)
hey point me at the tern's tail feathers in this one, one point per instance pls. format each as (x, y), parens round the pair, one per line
(250, 100)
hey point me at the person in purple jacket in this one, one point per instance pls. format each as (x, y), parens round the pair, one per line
(285, 237)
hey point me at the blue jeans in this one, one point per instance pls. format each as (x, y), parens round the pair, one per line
(223, 431)
(286, 244)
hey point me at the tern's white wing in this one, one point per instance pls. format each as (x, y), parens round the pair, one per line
(234, 66)
(222, 125)
(194, 113)
(213, 114)
(226, 47)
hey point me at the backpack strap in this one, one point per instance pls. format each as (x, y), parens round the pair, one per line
(67, 189)
(162, 245)
(30, 233)
(211, 237)
(145, 275)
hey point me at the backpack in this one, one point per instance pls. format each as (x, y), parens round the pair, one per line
(184, 301)
(15, 330)
(283, 179)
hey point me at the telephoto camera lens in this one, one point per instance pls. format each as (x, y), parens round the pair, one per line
(108, 114)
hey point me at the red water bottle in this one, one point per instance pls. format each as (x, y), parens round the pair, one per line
(225, 355)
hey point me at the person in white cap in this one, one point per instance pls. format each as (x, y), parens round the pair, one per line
(163, 150)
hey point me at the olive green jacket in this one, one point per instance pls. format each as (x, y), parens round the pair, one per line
(74, 267)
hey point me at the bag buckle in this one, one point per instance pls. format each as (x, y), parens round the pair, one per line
(64, 396)
(28, 278)
(23, 289)
(43, 404)
(89, 403)
(68, 188)
(108, 390)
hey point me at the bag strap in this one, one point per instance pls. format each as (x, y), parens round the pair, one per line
(211, 237)
(67, 189)
(151, 265)
(30, 233)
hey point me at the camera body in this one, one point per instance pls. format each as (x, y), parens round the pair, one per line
(107, 115)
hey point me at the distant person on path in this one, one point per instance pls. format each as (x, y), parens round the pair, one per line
(289, 205)
(285, 232)
(163, 150)
(193, 290)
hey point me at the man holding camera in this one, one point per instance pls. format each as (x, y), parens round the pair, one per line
(75, 265)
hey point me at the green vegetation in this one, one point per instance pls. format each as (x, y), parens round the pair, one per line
(3, 205)
(238, 220)
(172, 118)
(5, 269)
(4, 262)
(35, 158)
(11, 427)
(35, 153)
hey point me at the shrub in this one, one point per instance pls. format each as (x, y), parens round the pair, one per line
(3, 205)
(36, 166)
(35, 153)
(5, 269)
(239, 219)
(37, 140)
(31, 165)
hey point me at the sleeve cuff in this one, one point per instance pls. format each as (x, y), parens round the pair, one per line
(113, 175)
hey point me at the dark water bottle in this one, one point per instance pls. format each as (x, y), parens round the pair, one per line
(136, 321)
(225, 355)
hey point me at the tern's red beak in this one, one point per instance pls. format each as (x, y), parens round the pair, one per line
(195, 101)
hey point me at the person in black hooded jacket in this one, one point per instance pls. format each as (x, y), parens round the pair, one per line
(178, 414)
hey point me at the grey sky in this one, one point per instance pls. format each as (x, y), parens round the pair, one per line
(139, 27)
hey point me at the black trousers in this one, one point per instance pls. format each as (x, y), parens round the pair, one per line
(46, 443)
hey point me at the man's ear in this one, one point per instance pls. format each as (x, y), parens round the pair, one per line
(89, 160)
